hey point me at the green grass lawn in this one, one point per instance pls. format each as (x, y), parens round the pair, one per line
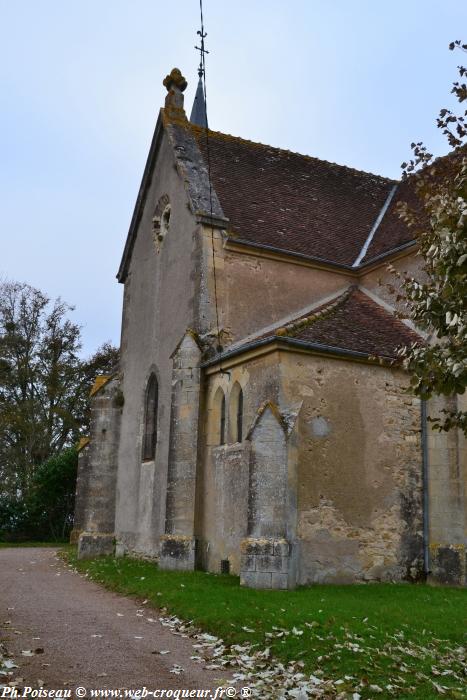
(406, 637)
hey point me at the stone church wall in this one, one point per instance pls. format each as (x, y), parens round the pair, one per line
(158, 308)
(353, 471)
(378, 281)
(222, 513)
(359, 471)
(281, 287)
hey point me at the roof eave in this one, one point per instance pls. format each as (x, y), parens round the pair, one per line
(378, 259)
(139, 205)
(232, 241)
(282, 342)
(301, 258)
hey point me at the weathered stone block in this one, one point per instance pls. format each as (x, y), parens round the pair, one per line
(256, 579)
(120, 549)
(282, 548)
(261, 568)
(448, 565)
(257, 546)
(248, 562)
(272, 563)
(74, 536)
(177, 552)
(92, 545)
(280, 581)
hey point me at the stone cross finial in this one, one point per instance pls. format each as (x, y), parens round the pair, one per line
(175, 84)
(176, 79)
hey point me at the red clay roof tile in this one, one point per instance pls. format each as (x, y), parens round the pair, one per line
(297, 203)
(353, 322)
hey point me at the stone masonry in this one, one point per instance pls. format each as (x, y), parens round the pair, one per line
(178, 545)
(265, 560)
(97, 536)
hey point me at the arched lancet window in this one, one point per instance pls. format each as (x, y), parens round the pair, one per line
(236, 413)
(217, 434)
(150, 419)
(222, 422)
(240, 416)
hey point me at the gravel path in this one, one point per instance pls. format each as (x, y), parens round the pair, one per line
(90, 637)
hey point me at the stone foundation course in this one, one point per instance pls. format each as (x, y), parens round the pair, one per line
(177, 553)
(265, 563)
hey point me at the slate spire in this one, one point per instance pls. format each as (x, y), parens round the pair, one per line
(198, 112)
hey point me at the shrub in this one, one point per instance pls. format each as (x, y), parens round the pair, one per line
(46, 511)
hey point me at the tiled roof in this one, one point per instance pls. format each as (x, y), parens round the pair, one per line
(351, 322)
(392, 233)
(300, 204)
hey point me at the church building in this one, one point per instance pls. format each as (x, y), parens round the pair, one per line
(259, 421)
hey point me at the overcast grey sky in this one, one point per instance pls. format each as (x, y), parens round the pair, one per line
(351, 81)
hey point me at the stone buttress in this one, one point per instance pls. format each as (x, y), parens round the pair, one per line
(98, 471)
(178, 544)
(447, 489)
(81, 493)
(266, 553)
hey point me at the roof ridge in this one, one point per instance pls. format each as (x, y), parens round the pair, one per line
(382, 213)
(200, 130)
(326, 310)
(362, 329)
